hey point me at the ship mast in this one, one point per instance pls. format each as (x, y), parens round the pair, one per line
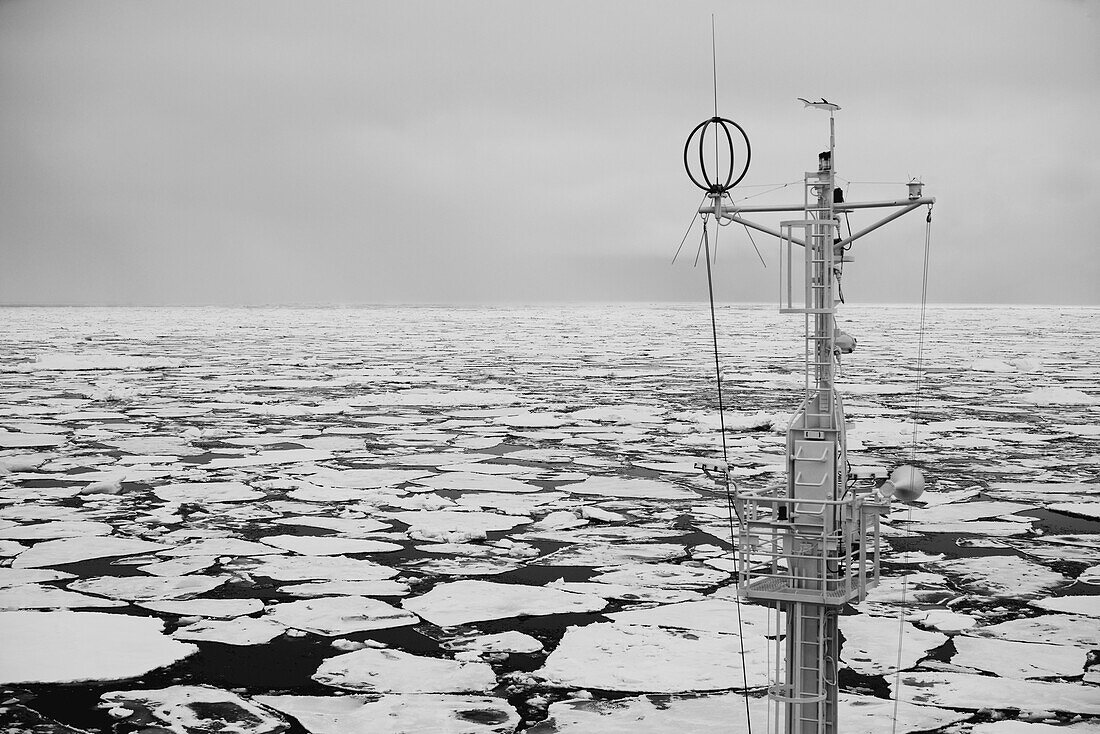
(811, 546)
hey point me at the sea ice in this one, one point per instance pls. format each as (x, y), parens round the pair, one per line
(1018, 659)
(1002, 576)
(212, 608)
(725, 714)
(1058, 396)
(612, 554)
(1088, 606)
(339, 615)
(147, 588)
(72, 550)
(973, 692)
(242, 631)
(208, 547)
(37, 596)
(58, 529)
(315, 545)
(504, 642)
(186, 709)
(364, 478)
(350, 526)
(1090, 510)
(385, 671)
(663, 575)
(710, 615)
(462, 602)
(871, 644)
(637, 488)
(621, 657)
(207, 492)
(318, 568)
(385, 587)
(411, 713)
(455, 525)
(471, 482)
(70, 647)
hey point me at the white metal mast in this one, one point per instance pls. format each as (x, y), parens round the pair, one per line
(811, 546)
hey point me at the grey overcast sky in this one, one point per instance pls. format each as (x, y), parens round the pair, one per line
(156, 152)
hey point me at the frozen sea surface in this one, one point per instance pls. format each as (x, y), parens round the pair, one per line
(415, 519)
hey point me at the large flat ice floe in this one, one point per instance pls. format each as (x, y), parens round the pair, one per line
(726, 714)
(462, 602)
(408, 713)
(394, 671)
(623, 657)
(339, 615)
(186, 709)
(73, 550)
(973, 692)
(70, 647)
(637, 488)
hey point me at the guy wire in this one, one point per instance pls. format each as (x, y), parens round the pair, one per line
(725, 459)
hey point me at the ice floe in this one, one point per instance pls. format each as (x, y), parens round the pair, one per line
(385, 671)
(1088, 606)
(212, 608)
(409, 713)
(1018, 659)
(312, 545)
(70, 647)
(244, 631)
(184, 709)
(147, 588)
(339, 615)
(973, 692)
(637, 488)
(623, 657)
(204, 492)
(462, 602)
(73, 550)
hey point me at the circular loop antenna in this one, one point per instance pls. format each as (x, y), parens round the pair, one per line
(716, 186)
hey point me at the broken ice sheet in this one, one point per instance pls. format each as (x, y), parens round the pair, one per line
(638, 488)
(339, 615)
(384, 587)
(503, 642)
(455, 525)
(409, 713)
(725, 714)
(184, 709)
(69, 647)
(1008, 576)
(1069, 629)
(315, 545)
(242, 631)
(471, 482)
(314, 568)
(147, 588)
(1018, 659)
(622, 657)
(207, 492)
(383, 671)
(973, 692)
(72, 550)
(1088, 606)
(461, 602)
(663, 575)
(37, 596)
(871, 644)
(617, 554)
(214, 608)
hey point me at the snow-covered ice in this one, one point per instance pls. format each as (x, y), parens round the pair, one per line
(69, 647)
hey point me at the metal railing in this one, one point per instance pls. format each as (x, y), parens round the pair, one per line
(785, 551)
